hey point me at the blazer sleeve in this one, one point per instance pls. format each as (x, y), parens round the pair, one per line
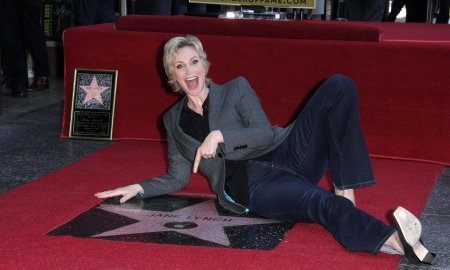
(178, 174)
(257, 132)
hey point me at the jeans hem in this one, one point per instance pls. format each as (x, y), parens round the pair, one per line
(356, 185)
(376, 250)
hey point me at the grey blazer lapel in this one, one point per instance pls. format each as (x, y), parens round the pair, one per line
(186, 144)
(216, 99)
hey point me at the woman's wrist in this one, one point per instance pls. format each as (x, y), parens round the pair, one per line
(140, 191)
(139, 188)
(218, 136)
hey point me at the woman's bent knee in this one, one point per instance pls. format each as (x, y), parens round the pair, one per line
(343, 86)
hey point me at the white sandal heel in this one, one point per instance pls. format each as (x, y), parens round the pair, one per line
(410, 230)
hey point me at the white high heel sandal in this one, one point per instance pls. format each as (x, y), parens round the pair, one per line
(410, 230)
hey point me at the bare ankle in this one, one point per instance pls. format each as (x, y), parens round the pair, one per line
(346, 193)
(395, 243)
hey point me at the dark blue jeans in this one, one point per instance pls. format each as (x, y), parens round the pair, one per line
(326, 134)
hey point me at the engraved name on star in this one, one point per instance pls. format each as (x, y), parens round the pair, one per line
(210, 225)
(93, 91)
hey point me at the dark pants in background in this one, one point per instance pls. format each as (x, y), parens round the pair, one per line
(366, 10)
(20, 29)
(90, 12)
(164, 7)
(326, 134)
(443, 15)
(416, 11)
(397, 6)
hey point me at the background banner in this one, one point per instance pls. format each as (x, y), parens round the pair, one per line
(266, 3)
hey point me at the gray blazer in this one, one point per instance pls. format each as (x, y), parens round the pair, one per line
(235, 110)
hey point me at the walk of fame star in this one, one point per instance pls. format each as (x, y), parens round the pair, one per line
(180, 220)
(205, 222)
(93, 91)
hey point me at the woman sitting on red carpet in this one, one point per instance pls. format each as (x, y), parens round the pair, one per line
(251, 165)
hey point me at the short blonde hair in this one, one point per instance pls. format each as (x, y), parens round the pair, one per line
(170, 51)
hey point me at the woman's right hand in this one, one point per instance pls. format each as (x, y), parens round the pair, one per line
(127, 192)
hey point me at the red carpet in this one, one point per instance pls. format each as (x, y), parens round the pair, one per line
(29, 212)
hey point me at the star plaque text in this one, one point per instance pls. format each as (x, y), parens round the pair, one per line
(92, 114)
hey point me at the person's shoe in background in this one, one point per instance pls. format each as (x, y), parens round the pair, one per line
(19, 92)
(4, 83)
(18, 89)
(7, 85)
(40, 84)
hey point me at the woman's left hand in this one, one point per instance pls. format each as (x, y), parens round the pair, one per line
(127, 192)
(208, 148)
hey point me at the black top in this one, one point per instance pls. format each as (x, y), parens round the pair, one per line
(236, 179)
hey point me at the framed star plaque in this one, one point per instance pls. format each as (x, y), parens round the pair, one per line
(93, 100)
